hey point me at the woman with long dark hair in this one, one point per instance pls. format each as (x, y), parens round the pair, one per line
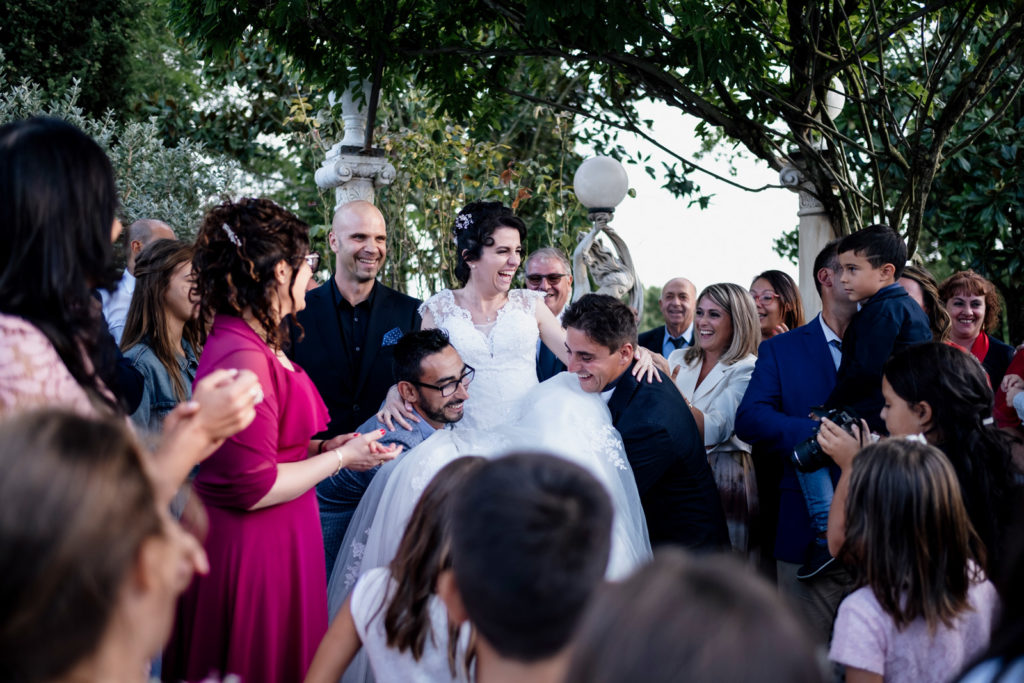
(57, 208)
(941, 392)
(777, 298)
(161, 333)
(260, 613)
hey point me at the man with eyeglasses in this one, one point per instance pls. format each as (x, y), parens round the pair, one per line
(678, 301)
(548, 271)
(432, 378)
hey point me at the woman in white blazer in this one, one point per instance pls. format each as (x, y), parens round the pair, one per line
(712, 375)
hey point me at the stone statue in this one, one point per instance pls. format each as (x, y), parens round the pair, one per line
(613, 271)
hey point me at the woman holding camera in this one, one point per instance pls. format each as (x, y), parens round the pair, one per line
(952, 409)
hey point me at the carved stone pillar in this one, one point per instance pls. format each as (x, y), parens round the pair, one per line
(815, 231)
(352, 173)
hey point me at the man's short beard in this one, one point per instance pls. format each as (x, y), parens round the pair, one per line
(439, 415)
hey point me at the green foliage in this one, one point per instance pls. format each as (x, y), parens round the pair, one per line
(755, 73)
(975, 219)
(247, 104)
(170, 183)
(652, 312)
(53, 42)
(788, 245)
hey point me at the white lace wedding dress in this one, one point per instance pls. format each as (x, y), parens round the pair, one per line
(503, 353)
(507, 410)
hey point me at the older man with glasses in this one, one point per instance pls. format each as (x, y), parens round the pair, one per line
(548, 271)
(432, 379)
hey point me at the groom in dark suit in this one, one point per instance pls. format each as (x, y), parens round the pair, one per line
(663, 445)
(352, 322)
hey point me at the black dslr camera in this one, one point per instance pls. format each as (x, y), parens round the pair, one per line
(807, 456)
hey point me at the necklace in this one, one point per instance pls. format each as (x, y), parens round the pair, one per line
(478, 312)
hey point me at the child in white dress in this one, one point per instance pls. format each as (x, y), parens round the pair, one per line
(393, 612)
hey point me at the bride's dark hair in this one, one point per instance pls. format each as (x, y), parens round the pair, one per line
(474, 229)
(423, 553)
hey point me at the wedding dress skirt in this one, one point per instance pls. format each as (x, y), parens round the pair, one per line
(555, 417)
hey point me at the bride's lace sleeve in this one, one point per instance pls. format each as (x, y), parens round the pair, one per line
(525, 299)
(32, 375)
(441, 306)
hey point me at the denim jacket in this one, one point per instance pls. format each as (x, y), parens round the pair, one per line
(158, 397)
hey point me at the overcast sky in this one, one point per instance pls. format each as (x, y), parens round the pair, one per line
(730, 241)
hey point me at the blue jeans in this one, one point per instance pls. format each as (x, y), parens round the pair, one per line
(818, 490)
(338, 497)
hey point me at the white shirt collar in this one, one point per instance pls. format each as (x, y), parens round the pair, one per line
(687, 334)
(829, 333)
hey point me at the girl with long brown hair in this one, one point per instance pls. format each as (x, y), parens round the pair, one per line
(393, 612)
(161, 334)
(924, 607)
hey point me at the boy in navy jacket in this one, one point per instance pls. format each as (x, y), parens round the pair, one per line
(872, 260)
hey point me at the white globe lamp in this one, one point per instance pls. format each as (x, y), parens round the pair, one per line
(600, 184)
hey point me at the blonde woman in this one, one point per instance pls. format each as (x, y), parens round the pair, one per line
(713, 375)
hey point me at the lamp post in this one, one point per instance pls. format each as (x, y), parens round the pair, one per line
(350, 169)
(600, 184)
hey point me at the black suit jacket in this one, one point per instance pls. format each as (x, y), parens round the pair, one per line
(653, 339)
(351, 399)
(548, 364)
(664, 448)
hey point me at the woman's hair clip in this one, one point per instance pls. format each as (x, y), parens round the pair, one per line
(235, 240)
(463, 221)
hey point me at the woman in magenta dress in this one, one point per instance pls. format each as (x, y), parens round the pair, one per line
(262, 610)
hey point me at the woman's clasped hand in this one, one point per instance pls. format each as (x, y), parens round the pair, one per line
(362, 451)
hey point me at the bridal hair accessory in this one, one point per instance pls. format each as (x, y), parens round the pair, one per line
(463, 221)
(232, 237)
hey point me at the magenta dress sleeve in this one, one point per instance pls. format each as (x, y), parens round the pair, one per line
(241, 472)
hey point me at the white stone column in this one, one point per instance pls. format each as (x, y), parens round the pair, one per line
(352, 173)
(815, 231)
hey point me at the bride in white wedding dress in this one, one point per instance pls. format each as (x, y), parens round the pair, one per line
(495, 330)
